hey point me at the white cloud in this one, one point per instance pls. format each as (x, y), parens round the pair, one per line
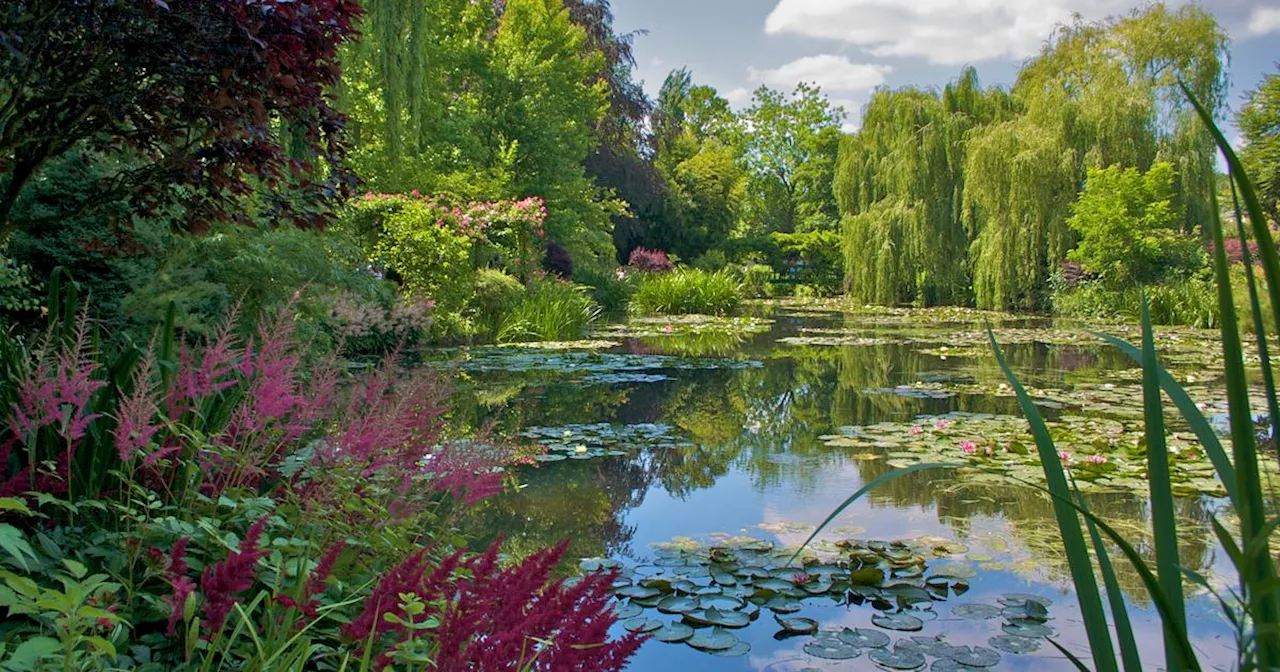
(832, 73)
(1265, 20)
(738, 96)
(943, 31)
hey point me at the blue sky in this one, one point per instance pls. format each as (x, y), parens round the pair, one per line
(851, 46)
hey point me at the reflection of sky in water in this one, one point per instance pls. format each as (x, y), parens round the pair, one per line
(760, 464)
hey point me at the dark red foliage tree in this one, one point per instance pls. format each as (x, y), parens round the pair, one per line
(191, 102)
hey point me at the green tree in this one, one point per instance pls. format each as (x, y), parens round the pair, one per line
(1129, 226)
(1098, 94)
(786, 134)
(1259, 123)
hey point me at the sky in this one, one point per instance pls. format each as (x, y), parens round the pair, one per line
(849, 47)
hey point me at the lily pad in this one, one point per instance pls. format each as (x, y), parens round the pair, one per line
(975, 612)
(797, 625)
(673, 632)
(828, 649)
(898, 658)
(1014, 644)
(975, 656)
(678, 604)
(715, 639)
(865, 639)
(781, 604)
(642, 625)
(1028, 630)
(740, 649)
(899, 622)
(726, 619)
(626, 611)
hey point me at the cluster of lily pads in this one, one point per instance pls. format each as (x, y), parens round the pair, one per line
(698, 595)
(583, 362)
(683, 325)
(586, 441)
(1101, 453)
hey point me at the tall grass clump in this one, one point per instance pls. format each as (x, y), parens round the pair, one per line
(551, 310)
(1252, 606)
(687, 291)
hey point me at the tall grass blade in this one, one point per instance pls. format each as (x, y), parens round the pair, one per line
(1163, 520)
(1130, 656)
(1258, 568)
(1073, 658)
(1200, 426)
(1259, 329)
(1140, 566)
(1095, 615)
(862, 492)
(1258, 221)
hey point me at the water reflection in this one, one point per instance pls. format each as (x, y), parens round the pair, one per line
(758, 465)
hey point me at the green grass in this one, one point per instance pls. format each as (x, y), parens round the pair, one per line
(687, 291)
(1253, 607)
(551, 310)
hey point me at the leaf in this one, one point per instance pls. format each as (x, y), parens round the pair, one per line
(30, 652)
(15, 544)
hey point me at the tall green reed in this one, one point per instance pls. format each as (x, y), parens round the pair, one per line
(1253, 606)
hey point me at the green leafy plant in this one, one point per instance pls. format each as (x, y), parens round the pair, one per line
(551, 310)
(687, 291)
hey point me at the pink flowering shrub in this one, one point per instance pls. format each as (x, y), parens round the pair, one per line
(650, 261)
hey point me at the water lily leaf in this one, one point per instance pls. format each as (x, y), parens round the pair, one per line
(740, 649)
(899, 622)
(1027, 630)
(976, 612)
(678, 604)
(948, 665)
(628, 610)
(1019, 599)
(868, 576)
(831, 650)
(976, 656)
(721, 602)
(550, 457)
(898, 658)
(715, 639)
(673, 632)
(638, 592)
(866, 639)
(781, 604)
(1014, 644)
(726, 619)
(797, 625)
(642, 625)
(723, 578)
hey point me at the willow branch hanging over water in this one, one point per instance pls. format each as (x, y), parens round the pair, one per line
(964, 196)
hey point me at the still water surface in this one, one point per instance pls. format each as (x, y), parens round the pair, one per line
(718, 436)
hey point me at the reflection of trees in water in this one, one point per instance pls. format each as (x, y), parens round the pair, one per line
(1031, 520)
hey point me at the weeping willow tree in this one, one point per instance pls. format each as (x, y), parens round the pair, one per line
(1099, 94)
(899, 184)
(412, 91)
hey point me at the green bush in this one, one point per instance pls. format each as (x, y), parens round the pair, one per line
(687, 291)
(613, 290)
(495, 294)
(712, 260)
(756, 279)
(259, 270)
(1191, 302)
(552, 310)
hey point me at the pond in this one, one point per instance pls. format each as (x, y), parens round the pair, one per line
(695, 454)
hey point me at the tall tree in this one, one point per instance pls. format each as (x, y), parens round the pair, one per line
(785, 134)
(1098, 94)
(1259, 123)
(899, 184)
(186, 102)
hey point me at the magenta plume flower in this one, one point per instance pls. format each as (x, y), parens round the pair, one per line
(223, 582)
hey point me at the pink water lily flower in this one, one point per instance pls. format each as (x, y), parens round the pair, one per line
(970, 448)
(1097, 459)
(1064, 456)
(942, 424)
(917, 430)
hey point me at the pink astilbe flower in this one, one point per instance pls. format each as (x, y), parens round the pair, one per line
(212, 372)
(223, 582)
(58, 390)
(136, 412)
(175, 574)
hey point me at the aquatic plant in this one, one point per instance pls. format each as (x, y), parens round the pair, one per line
(687, 291)
(551, 310)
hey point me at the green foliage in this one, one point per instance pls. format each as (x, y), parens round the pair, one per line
(257, 270)
(1189, 301)
(1129, 227)
(756, 279)
(611, 289)
(495, 293)
(1259, 124)
(813, 258)
(687, 291)
(551, 310)
(899, 184)
(790, 156)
